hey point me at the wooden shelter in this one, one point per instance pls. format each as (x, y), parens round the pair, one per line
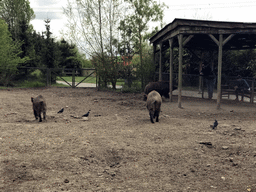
(205, 35)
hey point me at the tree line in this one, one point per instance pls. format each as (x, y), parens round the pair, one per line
(21, 46)
(112, 34)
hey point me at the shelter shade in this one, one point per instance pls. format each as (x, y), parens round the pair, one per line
(205, 35)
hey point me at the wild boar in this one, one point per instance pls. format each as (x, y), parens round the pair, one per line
(162, 87)
(154, 101)
(39, 106)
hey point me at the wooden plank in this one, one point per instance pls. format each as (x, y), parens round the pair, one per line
(202, 25)
(228, 38)
(180, 38)
(219, 71)
(160, 63)
(85, 78)
(187, 40)
(171, 69)
(214, 39)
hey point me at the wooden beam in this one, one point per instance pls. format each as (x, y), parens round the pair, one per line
(160, 63)
(154, 54)
(171, 68)
(187, 39)
(219, 70)
(180, 38)
(228, 38)
(214, 39)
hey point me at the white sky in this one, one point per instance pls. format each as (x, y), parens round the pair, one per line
(219, 10)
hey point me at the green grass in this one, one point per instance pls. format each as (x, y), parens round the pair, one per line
(78, 79)
(88, 80)
(33, 84)
(26, 84)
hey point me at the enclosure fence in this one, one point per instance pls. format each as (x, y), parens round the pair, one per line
(48, 75)
(77, 77)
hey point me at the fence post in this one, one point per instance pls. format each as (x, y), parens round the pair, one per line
(252, 91)
(73, 78)
(48, 77)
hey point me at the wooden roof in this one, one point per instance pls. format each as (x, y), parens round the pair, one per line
(244, 34)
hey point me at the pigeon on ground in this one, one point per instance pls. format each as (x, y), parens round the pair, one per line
(61, 111)
(215, 124)
(87, 114)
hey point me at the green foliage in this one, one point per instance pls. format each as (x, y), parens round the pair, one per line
(93, 26)
(135, 25)
(241, 62)
(86, 63)
(9, 55)
(15, 12)
(32, 84)
(134, 88)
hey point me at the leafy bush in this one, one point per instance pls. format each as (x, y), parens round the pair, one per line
(135, 88)
(31, 84)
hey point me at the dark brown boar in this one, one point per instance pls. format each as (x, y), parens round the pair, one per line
(39, 106)
(162, 87)
(154, 101)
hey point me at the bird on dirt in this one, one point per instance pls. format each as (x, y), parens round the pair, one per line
(87, 114)
(61, 111)
(215, 124)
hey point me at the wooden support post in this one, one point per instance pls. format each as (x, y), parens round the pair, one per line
(180, 38)
(160, 63)
(220, 44)
(154, 58)
(252, 92)
(219, 71)
(171, 68)
(73, 78)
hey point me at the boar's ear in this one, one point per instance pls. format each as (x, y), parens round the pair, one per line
(32, 99)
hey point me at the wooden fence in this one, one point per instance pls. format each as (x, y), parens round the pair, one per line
(60, 72)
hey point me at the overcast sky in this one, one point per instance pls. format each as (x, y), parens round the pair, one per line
(219, 10)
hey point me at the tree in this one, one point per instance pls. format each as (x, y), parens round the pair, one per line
(9, 57)
(136, 24)
(50, 53)
(93, 26)
(70, 56)
(15, 12)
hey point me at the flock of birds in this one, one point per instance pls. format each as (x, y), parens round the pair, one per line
(85, 115)
(214, 126)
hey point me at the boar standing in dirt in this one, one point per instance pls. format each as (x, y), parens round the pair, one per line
(39, 106)
(162, 87)
(154, 101)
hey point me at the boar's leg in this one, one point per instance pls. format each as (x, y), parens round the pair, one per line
(40, 118)
(35, 113)
(44, 114)
(157, 115)
(151, 117)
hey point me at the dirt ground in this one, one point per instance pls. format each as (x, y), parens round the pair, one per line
(119, 149)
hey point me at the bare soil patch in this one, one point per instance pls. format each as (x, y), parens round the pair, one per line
(119, 149)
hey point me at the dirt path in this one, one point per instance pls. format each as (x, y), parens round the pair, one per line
(119, 149)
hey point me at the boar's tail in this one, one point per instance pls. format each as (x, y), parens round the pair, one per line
(32, 99)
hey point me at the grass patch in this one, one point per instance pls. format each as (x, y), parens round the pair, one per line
(78, 79)
(88, 80)
(27, 84)
(59, 85)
